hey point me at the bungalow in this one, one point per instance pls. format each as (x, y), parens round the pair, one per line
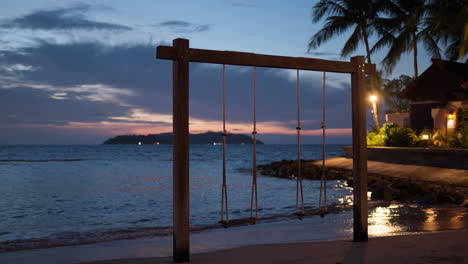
(435, 98)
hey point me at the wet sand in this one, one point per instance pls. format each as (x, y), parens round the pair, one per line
(439, 247)
(390, 220)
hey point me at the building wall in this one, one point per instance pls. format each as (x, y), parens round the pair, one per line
(439, 115)
(401, 119)
(421, 115)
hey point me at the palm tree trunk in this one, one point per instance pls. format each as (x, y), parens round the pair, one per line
(373, 90)
(366, 41)
(415, 53)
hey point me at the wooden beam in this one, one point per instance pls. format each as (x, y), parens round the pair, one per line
(180, 193)
(260, 60)
(359, 97)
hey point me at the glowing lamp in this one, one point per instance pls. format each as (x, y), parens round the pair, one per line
(425, 137)
(373, 98)
(451, 120)
(139, 143)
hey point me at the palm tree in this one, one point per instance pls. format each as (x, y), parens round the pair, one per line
(403, 30)
(342, 15)
(448, 22)
(391, 92)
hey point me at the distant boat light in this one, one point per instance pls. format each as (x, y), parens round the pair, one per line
(139, 143)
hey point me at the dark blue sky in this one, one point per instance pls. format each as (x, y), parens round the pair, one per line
(82, 72)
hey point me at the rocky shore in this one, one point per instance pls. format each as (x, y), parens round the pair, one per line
(309, 170)
(383, 187)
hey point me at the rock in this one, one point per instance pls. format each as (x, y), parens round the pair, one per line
(383, 187)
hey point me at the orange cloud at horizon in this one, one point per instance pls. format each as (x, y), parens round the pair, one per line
(126, 128)
(143, 123)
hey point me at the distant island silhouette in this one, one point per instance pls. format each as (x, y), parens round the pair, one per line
(212, 138)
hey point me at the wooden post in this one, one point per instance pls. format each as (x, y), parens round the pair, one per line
(180, 111)
(359, 95)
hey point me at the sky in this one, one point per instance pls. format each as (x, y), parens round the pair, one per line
(79, 72)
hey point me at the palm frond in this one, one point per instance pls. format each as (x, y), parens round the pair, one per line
(386, 40)
(430, 44)
(327, 8)
(451, 51)
(399, 46)
(352, 43)
(335, 25)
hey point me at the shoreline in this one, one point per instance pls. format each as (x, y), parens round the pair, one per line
(379, 212)
(389, 220)
(98, 236)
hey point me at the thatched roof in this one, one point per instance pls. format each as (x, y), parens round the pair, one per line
(443, 81)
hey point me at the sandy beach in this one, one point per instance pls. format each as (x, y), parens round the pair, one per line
(439, 247)
(289, 241)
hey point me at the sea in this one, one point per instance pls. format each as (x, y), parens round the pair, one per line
(67, 190)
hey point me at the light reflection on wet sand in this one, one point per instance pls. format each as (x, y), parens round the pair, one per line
(384, 220)
(398, 218)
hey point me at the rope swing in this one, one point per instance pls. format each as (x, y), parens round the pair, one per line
(299, 190)
(254, 196)
(322, 208)
(224, 196)
(323, 179)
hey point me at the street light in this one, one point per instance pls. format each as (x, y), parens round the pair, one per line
(373, 98)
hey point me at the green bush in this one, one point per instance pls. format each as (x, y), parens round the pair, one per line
(391, 135)
(375, 139)
(399, 137)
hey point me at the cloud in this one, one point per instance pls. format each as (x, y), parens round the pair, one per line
(101, 90)
(181, 26)
(27, 106)
(18, 67)
(87, 92)
(61, 19)
(312, 78)
(175, 23)
(318, 53)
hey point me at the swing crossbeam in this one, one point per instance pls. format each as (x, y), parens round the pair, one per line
(261, 60)
(181, 55)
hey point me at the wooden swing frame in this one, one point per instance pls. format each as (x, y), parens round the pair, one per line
(182, 55)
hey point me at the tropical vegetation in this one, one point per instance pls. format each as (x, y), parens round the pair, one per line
(399, 25)
(390, 91)
(440, 26)
(391, 135)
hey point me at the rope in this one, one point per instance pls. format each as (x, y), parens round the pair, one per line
(254, 195)
(224, 197)
(298, 129)
(323, 179)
